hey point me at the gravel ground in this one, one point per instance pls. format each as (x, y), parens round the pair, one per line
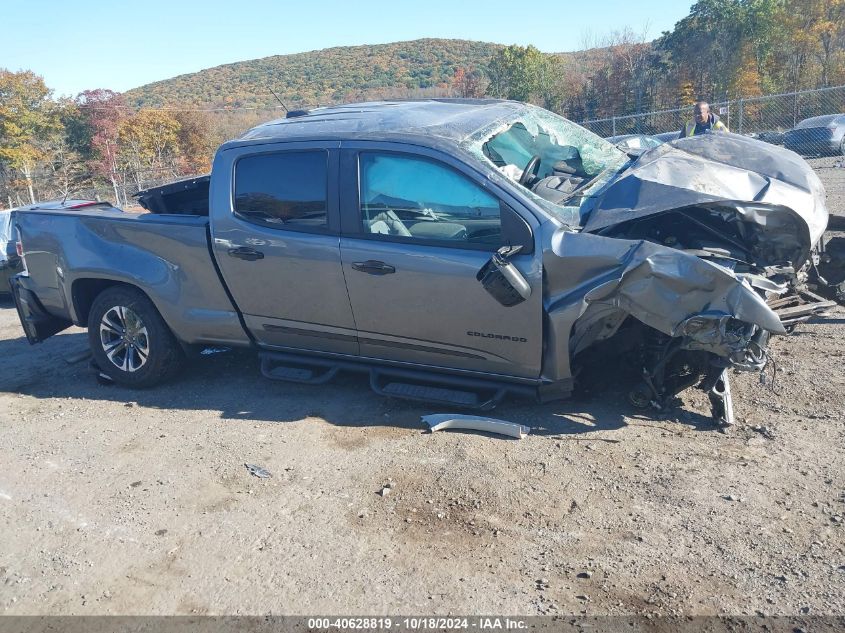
(137, 502)
(132, 502)
(831, 170)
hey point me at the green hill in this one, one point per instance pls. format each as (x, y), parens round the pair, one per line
(399, 69)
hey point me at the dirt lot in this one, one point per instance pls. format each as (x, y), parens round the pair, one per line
(122, 502)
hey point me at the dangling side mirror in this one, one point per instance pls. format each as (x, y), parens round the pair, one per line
(502, 279)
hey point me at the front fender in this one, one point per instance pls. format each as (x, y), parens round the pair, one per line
(590, 278)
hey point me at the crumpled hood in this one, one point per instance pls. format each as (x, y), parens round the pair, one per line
(713, 168)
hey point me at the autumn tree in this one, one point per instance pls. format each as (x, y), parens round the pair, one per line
(551, 85)
(149, 146)
(824, 25)
(514, 72)
(686, 94)
(103, 111)
(28, 117)
(468, 83)
(621, 73)
(195, 142)
(746, 80)
(67, 149)
(704, 46)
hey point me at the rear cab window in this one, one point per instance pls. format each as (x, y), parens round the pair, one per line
(283, 190)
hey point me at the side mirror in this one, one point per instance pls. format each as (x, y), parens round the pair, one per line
(502, 279)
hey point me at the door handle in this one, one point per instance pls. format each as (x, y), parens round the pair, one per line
(244, 252)
(373, 267)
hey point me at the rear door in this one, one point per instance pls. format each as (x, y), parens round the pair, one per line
(417, 228)
(275, 230)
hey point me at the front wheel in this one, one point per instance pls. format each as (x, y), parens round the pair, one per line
(130, 341)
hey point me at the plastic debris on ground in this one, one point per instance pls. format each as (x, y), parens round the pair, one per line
(443, 421)
(258, 471)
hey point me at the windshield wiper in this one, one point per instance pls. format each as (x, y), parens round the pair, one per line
(631, 152)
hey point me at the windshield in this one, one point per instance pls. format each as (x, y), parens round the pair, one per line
(573, 162)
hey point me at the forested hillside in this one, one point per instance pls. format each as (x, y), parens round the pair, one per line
(101, 143)
(723, 49)
(325, 76)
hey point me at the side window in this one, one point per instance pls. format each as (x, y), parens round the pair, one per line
(283, 190)
(415, 198)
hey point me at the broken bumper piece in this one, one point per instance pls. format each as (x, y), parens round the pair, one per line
(721, 401)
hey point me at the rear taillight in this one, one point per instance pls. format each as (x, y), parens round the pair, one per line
(19, 248)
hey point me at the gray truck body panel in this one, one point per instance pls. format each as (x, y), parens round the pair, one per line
(167, 257)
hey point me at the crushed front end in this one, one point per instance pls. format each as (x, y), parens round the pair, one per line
(685, 258)
(682, 320)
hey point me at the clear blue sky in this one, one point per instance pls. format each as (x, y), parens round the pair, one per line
(79, 44)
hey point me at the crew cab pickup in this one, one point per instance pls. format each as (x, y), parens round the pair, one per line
(457, 250)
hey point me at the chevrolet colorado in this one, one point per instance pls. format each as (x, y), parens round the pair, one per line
(457, 250)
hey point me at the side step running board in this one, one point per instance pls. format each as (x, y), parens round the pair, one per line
(411, 385)
(443, 389)
(295, 369)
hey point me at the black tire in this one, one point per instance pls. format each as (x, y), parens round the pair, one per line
(130, 341)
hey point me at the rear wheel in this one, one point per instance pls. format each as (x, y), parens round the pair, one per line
(130, 341)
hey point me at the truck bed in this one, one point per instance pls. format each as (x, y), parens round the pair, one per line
(71, 256)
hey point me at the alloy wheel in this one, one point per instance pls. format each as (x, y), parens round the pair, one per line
(124, 338)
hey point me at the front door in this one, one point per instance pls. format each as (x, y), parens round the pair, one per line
(278, 247)
(422, 230)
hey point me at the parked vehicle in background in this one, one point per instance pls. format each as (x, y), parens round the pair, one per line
(818, 136)
(456, 250)
(635, 142)
(665, 137)
(774, 137)
(10, 261)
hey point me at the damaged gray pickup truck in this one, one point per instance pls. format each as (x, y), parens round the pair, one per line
(456, 250)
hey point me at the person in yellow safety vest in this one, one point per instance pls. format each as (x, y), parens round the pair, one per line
(703, 122)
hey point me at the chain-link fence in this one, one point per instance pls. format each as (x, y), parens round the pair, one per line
(769, 118)
(810, 122)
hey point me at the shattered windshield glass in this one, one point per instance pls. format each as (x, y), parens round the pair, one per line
(571, 164)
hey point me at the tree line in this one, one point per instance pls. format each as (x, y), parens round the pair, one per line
(724, 49)
(93, 144)
(104, 144)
